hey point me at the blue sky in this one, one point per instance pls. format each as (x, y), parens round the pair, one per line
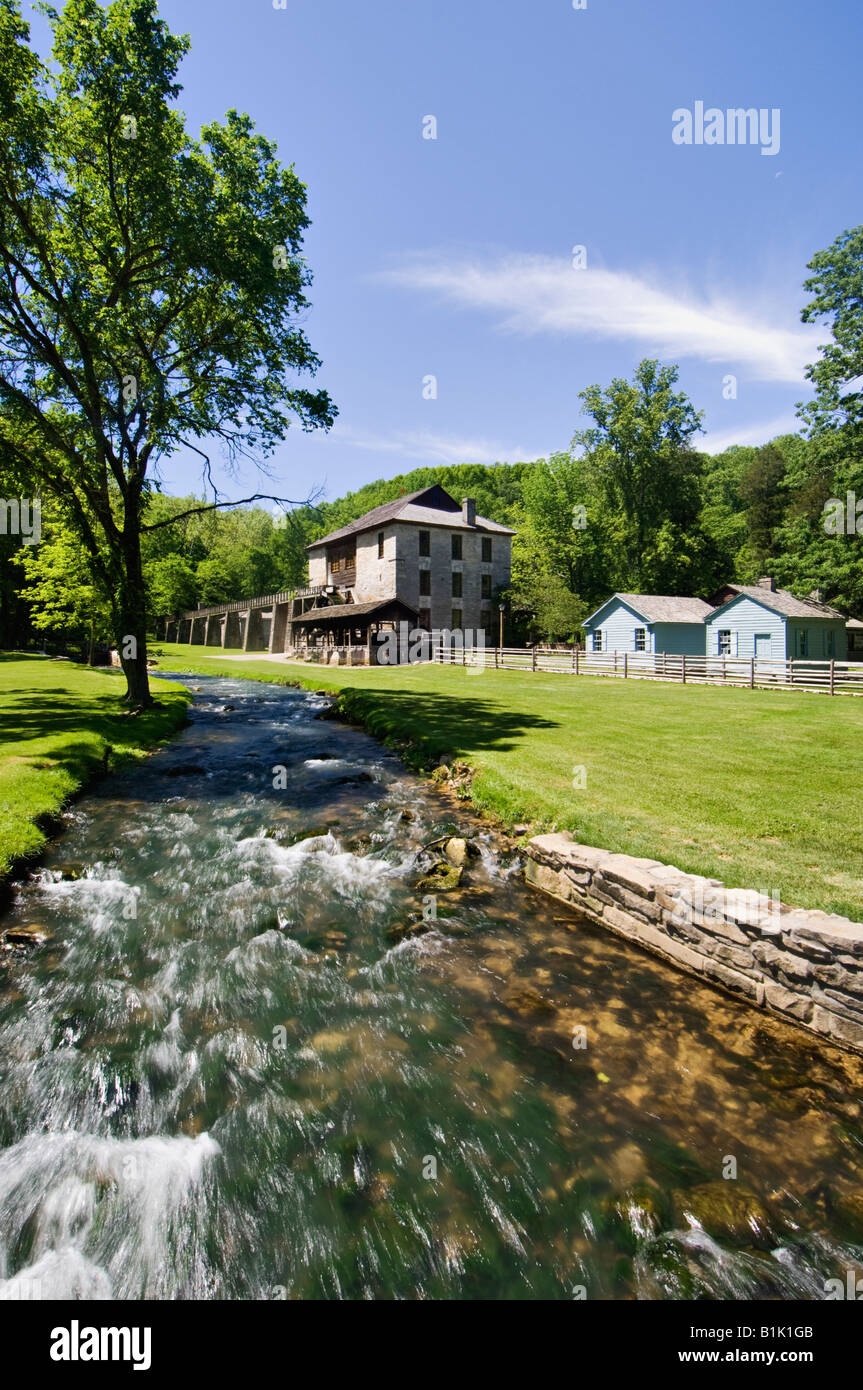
(453, 257)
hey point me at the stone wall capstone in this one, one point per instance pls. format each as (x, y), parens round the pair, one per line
(806, 966)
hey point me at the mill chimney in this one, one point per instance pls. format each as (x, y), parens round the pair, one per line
(468, 511)
(767, 583)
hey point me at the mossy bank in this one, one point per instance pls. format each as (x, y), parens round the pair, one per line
(62, 725)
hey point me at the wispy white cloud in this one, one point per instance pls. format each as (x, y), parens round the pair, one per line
(427, 447)
(714, 442)
(540, 294)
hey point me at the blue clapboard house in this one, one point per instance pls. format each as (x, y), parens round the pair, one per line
(648, 623)
(756, 620)
(761, 620)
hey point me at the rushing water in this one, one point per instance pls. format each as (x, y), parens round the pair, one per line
(224, 1076)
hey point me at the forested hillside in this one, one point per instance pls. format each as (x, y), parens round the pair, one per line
(733, 516)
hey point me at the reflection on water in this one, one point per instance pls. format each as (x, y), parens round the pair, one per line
(230, 1073)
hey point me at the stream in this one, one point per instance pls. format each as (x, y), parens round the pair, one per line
(228, 1072)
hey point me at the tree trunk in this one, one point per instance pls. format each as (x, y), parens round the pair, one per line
(131, 619)
(92, 643)
(137, 680)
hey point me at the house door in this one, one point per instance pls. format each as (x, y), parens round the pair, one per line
(762, 644)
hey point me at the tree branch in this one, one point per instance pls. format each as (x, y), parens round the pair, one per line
(240, 502)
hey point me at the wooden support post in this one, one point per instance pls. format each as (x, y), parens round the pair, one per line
(684, 670)
(625, 665)
(752, 673)
(576, 661)
(496, 657)
(533, 661)
(832, 677)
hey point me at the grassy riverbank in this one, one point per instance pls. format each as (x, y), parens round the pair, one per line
(756, 788)
(60, 725)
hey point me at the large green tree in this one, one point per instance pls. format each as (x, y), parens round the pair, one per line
(639, 466)
(836, 287)
(762, 489)
(61, 589)
(828, 466)
(150, 285)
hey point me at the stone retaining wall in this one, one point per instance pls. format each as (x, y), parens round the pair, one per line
(805, 966)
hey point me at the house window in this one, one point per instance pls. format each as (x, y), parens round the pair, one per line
(456, 618)
(485, 586)
(486, 550)
(802, 642)
(456, 547)
(724, 641)
(425, 581)
(456, 584)
(342, 560)
(380, 545)
(425, 619)
(425, 542)
(485, 620)
(830, 643)
(641, 639)
(597, 640)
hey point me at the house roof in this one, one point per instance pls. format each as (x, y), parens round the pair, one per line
(346, 612)
(660, 608)
(780, 601)
(437, 509)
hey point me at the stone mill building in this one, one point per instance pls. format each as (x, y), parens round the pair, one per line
(424, 560)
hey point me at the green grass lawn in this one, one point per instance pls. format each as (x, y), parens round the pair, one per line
(760, 789)
(60, 724)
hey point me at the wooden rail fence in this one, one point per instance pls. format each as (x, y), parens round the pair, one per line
(762, 673)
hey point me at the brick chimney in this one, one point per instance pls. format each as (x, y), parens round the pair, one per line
(767, 583)
(468, 511)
